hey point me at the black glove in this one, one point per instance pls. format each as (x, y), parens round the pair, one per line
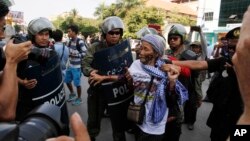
(40, 52)
(188, 55)
(45, 52)
(167, 61)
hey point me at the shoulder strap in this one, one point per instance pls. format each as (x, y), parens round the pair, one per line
(78, 45)
(147, 93)
(69, 44)
(62, 52)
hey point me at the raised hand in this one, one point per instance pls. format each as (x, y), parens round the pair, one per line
(17, 52)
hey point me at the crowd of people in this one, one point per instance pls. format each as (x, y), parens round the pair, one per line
(33, 72)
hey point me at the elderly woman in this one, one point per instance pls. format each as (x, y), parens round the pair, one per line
(164, 84)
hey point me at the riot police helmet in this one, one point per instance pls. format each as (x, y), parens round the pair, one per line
(178, 30)
(39, 24)
(110, 23)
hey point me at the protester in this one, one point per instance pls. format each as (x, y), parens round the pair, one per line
(164, 85)
(112, 31)
(225, 95)
(61, 49)
(40, 78)
(241, 63)
(77, 51)
(176, 40)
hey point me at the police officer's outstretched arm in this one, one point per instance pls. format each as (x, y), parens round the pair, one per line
(8, 79)
(192, 64)
(241, 63)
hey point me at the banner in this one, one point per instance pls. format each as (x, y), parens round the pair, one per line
(16, 16)
(112, 61)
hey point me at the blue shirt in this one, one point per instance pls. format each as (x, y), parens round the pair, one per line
(63, 55)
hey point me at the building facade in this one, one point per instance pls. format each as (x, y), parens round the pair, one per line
(216, 17)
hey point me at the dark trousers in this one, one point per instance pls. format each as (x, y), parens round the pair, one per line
(172, 131)
(119, 122)
(190, 111)
(142, 136)
(219, 135)
(96, 106)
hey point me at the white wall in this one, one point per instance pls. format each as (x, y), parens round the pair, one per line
(208, 6)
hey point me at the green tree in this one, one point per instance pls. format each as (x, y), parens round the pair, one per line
(175, 17)
(124, 6)
(103, 11)
(17, 28)
(86, 26)
(137, 18)
(120, 8)
(99, 10)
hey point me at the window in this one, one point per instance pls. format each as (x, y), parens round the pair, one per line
(209, 16)
(231, 11)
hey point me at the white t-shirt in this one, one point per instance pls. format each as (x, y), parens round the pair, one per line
(141, 81)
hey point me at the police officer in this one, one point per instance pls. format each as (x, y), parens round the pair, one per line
(176, 37)
(227, 103)
(176, 40)
(40, 78)
(112, 31)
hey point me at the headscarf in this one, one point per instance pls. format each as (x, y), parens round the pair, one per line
(157, 42)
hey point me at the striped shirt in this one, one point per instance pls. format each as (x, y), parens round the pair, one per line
(75, 56)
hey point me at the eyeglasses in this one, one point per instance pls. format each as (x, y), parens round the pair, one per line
(173, 38)
(114, 32)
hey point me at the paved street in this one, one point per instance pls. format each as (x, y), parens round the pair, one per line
(200, 133)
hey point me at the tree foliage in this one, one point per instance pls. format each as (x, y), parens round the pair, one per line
(140, 17)
(120, 8)
(86, 26)
(133, 12)
(17, 28)
(174, 17)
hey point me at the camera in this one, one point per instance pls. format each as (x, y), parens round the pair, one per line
(19, 38)
(40, 124)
